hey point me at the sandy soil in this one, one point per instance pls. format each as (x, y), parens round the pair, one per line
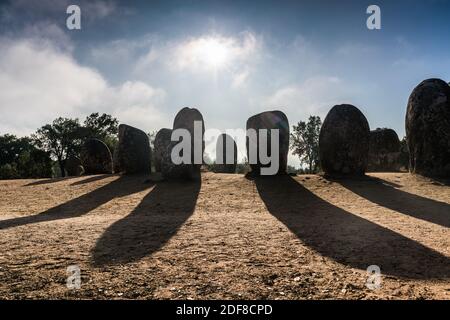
(304, 237)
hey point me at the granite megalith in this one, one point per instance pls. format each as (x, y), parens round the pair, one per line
(162, 142)
(268, 120)
(384, 151)
(427, 126)
(344, 141)
(226, 154)
(190, 121)
(132, 154)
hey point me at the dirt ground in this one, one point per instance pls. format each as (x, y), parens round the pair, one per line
(229, 237)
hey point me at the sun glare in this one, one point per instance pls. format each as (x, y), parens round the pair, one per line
(210, 53)
(214, 52)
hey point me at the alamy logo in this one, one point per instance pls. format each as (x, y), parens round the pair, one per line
(373, 281)
(73, 21)
(74, 278)
(374, 20)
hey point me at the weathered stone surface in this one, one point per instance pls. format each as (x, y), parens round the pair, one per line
(344, 141)
(162, 142)
(226, 148)
(133, 154)
(428, 128)
(73, 166)
(96, 157)
(270, 120)
(185, 119)
(384, 151)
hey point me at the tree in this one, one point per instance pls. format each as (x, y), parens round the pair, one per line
(404, 154)
(304, 142)
(61, 139)
(103, 127)
(243, 167)
(151, 138)
(19, 158)
(10, 148)
(291, 170)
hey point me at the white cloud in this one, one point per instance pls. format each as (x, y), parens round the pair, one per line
(48, 32)
(99, 9)
(232, 58)
(240, 79)
(314, 96)
(136, 103)
(40, 83)
(147, 60)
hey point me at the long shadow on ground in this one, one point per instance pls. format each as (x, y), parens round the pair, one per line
(149, 226)
(90, 179)
(344, 237)
(47, 181)
(77, 207)
(384, 194)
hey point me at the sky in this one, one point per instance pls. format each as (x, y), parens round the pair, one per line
(142, 61)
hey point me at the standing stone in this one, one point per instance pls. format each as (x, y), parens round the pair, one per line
(226, 148)
(269, 120)
(162, 142)
(73, 166)
(384, 151)
(96, 157)
(428, 128)
(344, 141)
(185, 119)
(133, 153)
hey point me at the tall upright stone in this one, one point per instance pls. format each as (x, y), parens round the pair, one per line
(162, 142)
(268, 120)
(191, 120)
(133, 154)
(96, 157)
(344, 141)
(428, 128)
(384, 151)
(226, 154)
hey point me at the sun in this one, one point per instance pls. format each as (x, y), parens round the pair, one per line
(214, 52)
(211, 53)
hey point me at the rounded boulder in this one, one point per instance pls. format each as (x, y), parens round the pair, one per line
(344, 141)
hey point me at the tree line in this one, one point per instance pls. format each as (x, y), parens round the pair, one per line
(44, 153)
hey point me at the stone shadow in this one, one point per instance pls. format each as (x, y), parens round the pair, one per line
(149, 226)
(123, 186)
(345, 237)
(386, 194)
